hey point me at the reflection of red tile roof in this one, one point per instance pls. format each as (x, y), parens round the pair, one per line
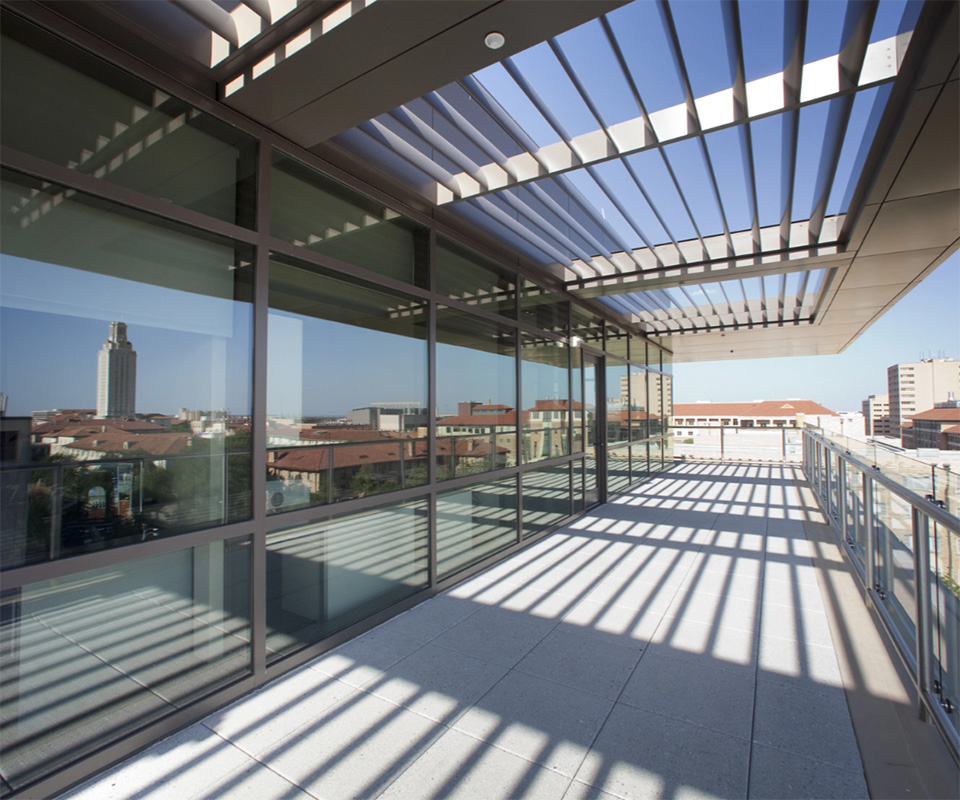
(762, 408)
(88, 427)
(155, 444)
(952, 430)
(939, 415)
(317, 459)
(622, 416)
(481, 420)
(555, 405)
(343, 435)
(906, 425)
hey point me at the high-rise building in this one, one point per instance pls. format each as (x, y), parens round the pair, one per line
(918, 386)
(117, 374)
(876, 415)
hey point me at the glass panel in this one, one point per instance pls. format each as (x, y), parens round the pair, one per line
(465, 276)
(945, 604)
(546, 418)
(854, 509)
(667, 451)
(325, 575)
(638, 350)
(658, 391)
(618, 402)
(317, 213)
(578, 476)
(617, 341)
(340, 354)
(592, 435)
(639, 462)
(75, 110)
(475, 360)
(894, 523)
(542, 308)
(125, 355)
(618, 470)
(90, 658)
(656, 456)
(639, 421)
(576, 366)
(587, 328)
(474, 522)
(546, 498)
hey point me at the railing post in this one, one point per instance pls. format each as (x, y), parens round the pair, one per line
(924, 619)
(721, 444)
(842, 499)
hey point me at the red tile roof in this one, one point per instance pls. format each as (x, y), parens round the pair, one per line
(939, 414)
(762, 408)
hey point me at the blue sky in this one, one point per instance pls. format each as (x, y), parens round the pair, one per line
(926, 322)
(193, 350)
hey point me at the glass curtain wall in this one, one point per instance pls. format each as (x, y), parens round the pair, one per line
(226, 443)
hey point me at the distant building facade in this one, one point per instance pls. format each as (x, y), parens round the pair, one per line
(117, 375)
(876, 416)
(757, 414)
(934, 429)
(918, 386)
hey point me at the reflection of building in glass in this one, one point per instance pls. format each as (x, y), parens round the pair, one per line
(390, 416)
(117, 374)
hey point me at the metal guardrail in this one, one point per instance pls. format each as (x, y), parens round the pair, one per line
(906, 548)
(737, 443)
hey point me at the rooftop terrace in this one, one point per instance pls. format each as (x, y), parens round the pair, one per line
(701, 636)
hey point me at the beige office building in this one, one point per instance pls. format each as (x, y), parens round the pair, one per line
(876, 415)
(916, 387)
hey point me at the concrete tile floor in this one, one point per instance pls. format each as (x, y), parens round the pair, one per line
(670, 644)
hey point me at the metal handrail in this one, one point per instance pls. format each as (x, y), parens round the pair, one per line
(918, 654)
(930, 508)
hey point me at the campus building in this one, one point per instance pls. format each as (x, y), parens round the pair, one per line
(304, 206)
(915, 387)
(117, 375)
(876, 415)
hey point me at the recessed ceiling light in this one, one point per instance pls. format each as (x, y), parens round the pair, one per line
(494, 40)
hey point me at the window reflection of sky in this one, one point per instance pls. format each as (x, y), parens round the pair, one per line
(193, 350)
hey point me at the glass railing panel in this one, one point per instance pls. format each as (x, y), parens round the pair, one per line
(854, 512)
(945, 604)
(947, 490)
(893, 518)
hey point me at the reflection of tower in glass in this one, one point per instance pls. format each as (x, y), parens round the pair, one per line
(117, 375)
